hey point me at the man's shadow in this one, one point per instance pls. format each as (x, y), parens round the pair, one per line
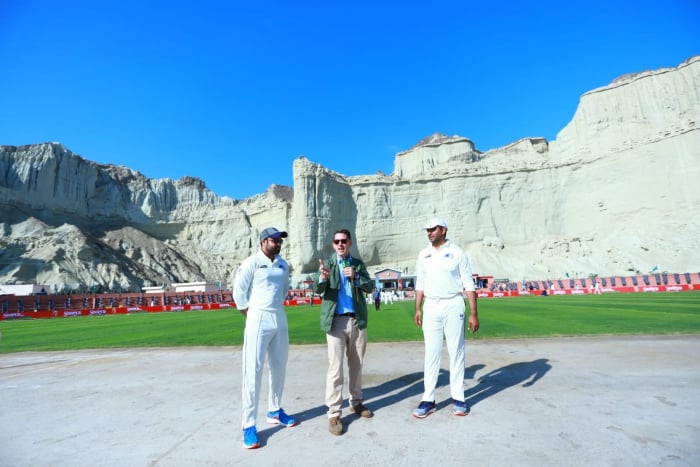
(527, 373)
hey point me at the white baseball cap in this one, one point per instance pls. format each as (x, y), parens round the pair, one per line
(435, 222)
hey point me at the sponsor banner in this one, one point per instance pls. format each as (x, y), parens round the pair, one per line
(12, 315)
(98, 312)
(38, 314)
(119, 310)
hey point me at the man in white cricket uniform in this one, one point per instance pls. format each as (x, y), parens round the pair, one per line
(442, 273)
(259, 290)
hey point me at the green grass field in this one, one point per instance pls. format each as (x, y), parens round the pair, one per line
(586, 315)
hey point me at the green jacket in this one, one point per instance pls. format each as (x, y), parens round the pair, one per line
(329, 291)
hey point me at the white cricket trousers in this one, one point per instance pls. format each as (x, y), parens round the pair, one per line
(266, 333)
(444, 316)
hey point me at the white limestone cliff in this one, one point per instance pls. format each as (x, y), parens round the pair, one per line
(126, 230)
(613, 194)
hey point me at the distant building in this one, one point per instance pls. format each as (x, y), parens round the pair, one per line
(196, 287)
(393, 279)
(23, 289)
(183, 287)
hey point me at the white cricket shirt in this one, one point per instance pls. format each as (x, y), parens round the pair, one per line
(443, 272)
(261, 284)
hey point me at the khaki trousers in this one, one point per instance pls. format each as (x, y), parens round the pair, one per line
(344, 338)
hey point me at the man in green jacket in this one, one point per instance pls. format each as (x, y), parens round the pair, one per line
(342, 281)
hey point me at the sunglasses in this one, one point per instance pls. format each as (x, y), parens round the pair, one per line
(338, 241)
(432, 229)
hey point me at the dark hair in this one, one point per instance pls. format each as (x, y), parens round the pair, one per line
(343, 231)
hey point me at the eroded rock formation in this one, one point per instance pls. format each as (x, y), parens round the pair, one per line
(613, 194)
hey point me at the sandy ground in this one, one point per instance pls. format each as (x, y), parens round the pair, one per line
(534, 402)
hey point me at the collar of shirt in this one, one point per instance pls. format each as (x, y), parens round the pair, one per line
(444, 245)
(263, 256)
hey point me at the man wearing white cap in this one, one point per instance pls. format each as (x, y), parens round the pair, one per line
(442, 273)
(261, 284)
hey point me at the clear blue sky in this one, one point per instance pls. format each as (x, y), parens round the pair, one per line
(233, 91)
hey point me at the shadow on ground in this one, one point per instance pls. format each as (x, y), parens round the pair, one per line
(505, 377)
(410, 386)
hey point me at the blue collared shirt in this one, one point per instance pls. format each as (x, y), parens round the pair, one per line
(345, 304)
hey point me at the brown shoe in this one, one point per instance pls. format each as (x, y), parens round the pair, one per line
(335, 426)
(361, 410)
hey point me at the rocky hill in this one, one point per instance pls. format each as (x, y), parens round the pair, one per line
(613, 194)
